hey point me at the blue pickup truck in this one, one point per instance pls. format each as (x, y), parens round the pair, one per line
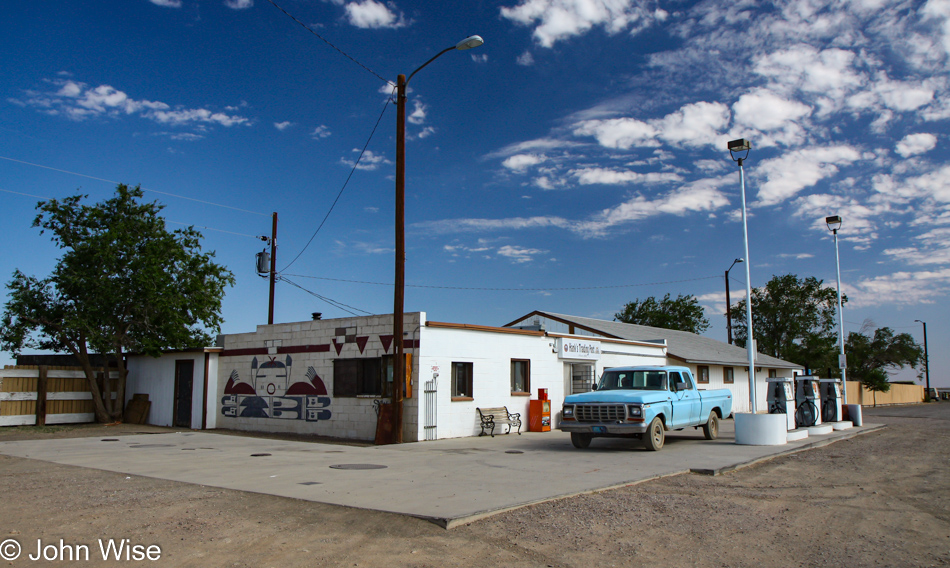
(644, 402)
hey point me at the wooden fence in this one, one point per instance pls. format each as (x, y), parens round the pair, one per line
(45, 395)
(899, 394)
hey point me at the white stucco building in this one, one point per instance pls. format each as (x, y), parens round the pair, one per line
(324, 377)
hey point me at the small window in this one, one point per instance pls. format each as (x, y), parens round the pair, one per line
(702, 374)
(773, 373)
(728, 375)
(462, 380)
(520, 376)
(355, 377)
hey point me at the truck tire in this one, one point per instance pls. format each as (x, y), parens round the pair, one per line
(581, 441)
(654, 437)
(711, 427)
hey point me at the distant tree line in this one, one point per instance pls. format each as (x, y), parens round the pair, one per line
(794, 319)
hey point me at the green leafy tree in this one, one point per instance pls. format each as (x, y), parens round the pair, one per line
(793, 319)
(871, 356)
(124, 284)
(682, 313)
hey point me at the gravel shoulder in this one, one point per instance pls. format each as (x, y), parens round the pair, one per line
(880, 499)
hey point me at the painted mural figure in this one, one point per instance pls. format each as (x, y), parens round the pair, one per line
(271, 393)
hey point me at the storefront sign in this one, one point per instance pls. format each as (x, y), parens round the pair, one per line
(578, 349)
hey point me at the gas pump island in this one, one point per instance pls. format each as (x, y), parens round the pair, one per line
(810, 404)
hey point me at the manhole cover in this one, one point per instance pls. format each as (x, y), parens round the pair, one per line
(259, 455)
(358, 466)
(109, 440)
(513, 452)
(309, 483)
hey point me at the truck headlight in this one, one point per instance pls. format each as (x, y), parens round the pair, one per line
(568, 412)
(634, 411)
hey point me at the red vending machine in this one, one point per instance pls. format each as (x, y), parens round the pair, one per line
(539, 413)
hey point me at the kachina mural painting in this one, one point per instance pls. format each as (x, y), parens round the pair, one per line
(272, 393)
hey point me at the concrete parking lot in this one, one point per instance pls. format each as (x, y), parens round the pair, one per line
(448, 482)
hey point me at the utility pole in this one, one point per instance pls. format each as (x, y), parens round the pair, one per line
(926, 359)
(273, 270)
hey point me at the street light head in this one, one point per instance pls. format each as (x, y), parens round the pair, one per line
(740, 145)
(833, 222)
(469, 43)
(738, 260)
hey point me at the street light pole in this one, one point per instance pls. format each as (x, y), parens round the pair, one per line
(834, 223)
(742, 145)
(729, 303)
(399, 362)
(926, 359)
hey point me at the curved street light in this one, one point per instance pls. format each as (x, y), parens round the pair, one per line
(729, 302)
(399, 372)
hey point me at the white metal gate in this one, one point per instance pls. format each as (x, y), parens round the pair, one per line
(431, 409)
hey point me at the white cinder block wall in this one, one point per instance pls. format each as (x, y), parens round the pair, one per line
(305, 351)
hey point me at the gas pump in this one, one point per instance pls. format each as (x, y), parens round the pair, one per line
(830, 400)
(808, 400)
(781, 399)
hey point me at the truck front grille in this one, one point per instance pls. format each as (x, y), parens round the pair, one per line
(599, 412)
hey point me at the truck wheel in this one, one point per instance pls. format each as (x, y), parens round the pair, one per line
(655, 436)
(581, 441)
(711, 427)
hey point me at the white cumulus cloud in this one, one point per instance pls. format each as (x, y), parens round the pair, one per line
(914, 144)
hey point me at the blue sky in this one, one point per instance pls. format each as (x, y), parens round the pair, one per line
(573, 163)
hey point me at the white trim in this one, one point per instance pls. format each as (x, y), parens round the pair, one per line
(54, 374)
(68, 395)
(18, 420)
(74, 418)
(8, 396)
(73, 395)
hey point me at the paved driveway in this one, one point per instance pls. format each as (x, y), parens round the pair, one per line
(446, 481)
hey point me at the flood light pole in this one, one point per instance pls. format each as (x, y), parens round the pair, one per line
(734, 146)
(834, 223)
(399, 362)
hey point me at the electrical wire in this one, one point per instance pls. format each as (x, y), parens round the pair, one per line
(255, 237)
(326, 41)
(26, 194)
(338, 195)
(330, 301)
(143, 189)
(507, 289)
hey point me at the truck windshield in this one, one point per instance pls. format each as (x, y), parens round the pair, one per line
(634, 380)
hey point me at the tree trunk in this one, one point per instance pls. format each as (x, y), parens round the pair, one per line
(102, 415)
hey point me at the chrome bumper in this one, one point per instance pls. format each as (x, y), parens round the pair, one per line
(602, 429)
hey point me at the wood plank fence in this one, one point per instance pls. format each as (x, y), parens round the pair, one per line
(899, 394)
(44, 395)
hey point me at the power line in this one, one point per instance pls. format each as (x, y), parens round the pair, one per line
(255, 237)
(508, 289)
(338, 195)
(332, 302)
(143, 189)
(325, 40)
(26, 194)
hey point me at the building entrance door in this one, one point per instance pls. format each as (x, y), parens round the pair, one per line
(184, 387)
(582, 378)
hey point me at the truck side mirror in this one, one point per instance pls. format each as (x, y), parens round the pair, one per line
(593, 386)
(682, 386)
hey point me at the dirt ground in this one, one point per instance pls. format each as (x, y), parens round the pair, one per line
(880, 499)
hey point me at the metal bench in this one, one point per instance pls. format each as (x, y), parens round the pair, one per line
(495, 416)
